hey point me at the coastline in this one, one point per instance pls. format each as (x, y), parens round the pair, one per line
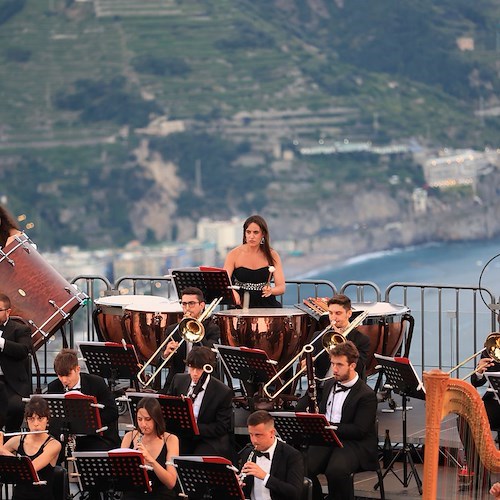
(305, 266)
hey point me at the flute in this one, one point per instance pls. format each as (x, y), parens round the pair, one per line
(23, 433)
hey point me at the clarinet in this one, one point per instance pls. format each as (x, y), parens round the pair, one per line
(311, 382)
(243, 475)
(207, 369)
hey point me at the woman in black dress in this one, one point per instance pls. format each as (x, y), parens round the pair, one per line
(158, 448)
(254, 264)
(42, 448)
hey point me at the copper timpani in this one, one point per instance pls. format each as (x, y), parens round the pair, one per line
(281, 333)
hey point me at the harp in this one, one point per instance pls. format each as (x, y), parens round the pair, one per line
(446, 395)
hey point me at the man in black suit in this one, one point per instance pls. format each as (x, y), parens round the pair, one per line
(271, 467)
(339, 314)
(193, 305)
(15, 383)
(212, 405)
(351, 406)
(70, 378)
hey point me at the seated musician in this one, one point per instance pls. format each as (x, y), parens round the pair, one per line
(42, 448)
(351, 406)
(252, 265)
(70, 378)
(212, 405)
(271, 468)
(193, 305)
(339, 313)
(478, 379)
(158, 448)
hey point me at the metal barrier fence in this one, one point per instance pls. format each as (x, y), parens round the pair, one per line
(451, 322)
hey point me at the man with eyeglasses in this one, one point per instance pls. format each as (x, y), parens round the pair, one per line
(193, 305)
(15, 383)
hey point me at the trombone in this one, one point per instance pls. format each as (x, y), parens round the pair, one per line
(190, 330)
(491, 346)
(330, 339)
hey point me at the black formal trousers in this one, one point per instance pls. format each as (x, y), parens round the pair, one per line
(357, 431)
(93, 385)
(286, 479)
(215, 418)
(16, 375)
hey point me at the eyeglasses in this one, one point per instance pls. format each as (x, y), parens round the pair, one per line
(191, 303)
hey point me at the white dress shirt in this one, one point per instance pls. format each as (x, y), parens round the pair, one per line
(259, 490)
(199, 398)
(336, 401)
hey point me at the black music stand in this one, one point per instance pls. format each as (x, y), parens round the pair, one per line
(109, 471)
(177, 412)
(208, 478)
(214, 282)
(73, 413)
(15, 470)
(493, 379)
(305, 429)
(111, 361)
(404, 380)
(251, 365)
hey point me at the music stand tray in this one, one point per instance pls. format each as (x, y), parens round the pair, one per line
(177, 412)
(208, 478)
(214, 282)
(122, 469)
(305, 429)
(73, 412)
(14, 470)
(244, 363)
(493, 379)
(111, 360)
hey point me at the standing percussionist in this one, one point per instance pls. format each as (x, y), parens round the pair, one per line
(70, 378)
(193, 305)
(253, 264)
(9, 228)
(212, 406)
(271, 469)
(15, 383)
(351, 407)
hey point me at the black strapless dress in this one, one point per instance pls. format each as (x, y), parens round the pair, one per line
(253, 281)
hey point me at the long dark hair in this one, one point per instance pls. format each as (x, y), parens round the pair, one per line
(265, 246)
(7, 223)
(153, 408)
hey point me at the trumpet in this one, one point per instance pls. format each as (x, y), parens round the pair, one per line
(190, 330)
(329, 339)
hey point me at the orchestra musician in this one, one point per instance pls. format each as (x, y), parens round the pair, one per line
(70, 378)
(41, 448)
(15, 382)
(193, 305)
(253, 264)
(158, 448)
(339, 314)
(212, 406)
(350, 405)
(271, 468)
(9, 228)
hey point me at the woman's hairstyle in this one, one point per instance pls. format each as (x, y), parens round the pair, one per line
(265, 244)
(7, 223)
(37, 406)
(153, 408)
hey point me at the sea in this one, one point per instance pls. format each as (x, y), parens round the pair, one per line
(455, 263)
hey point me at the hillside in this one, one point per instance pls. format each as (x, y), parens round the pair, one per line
(243, 85)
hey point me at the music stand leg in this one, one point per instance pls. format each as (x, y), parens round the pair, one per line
(406, 453)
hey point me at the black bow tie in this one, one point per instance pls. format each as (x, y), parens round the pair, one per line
(341, 388)
(263, 454)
